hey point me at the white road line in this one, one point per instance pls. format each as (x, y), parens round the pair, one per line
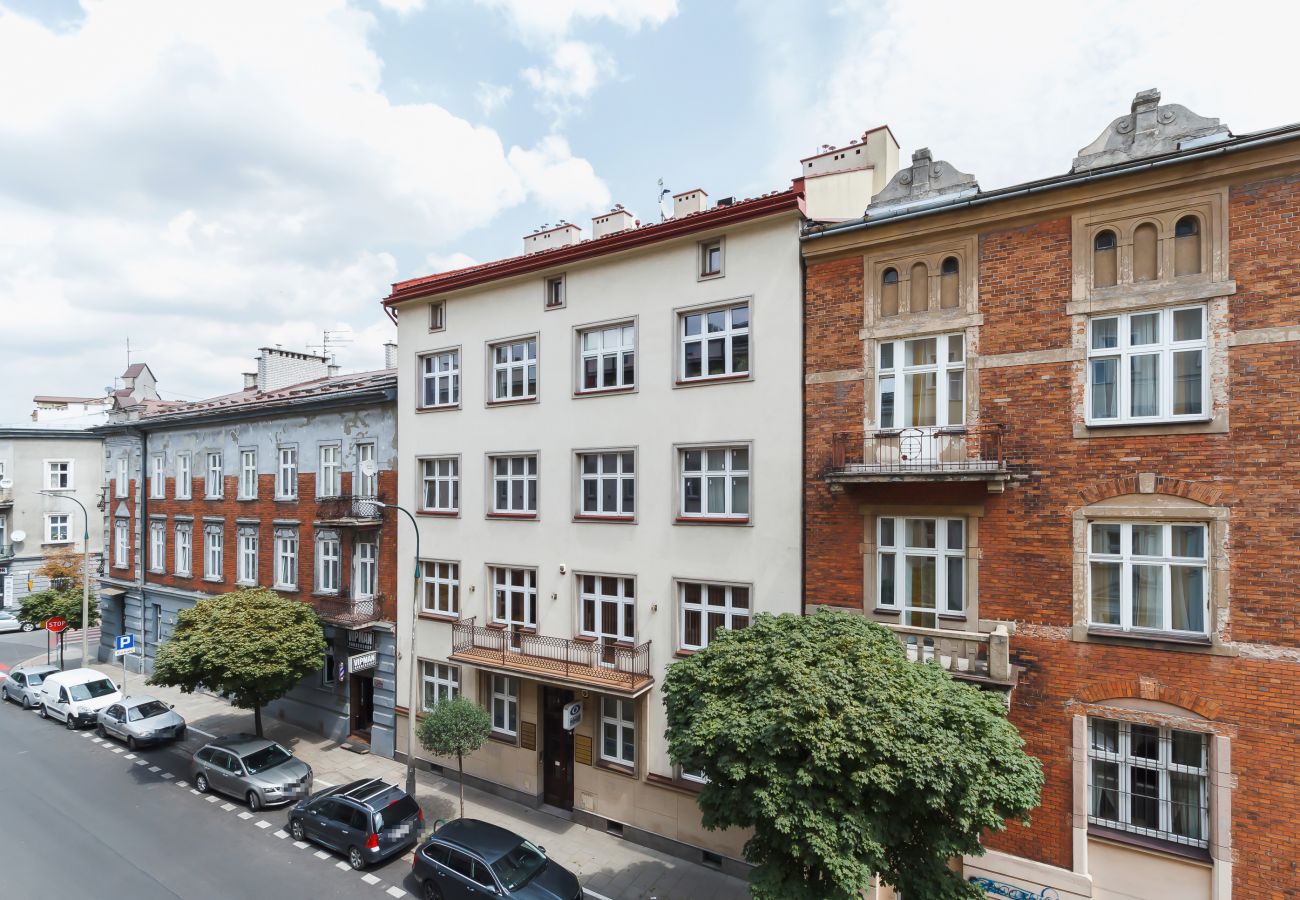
(395, 891)
(85, 733)
(212, 799)
(141, 762)
(97, 740)
(323, 783)
(194, 792)
(200, 731)
(168, 775)
(301, 845)
(154, 769)
(245, 815)
(341, 865)
(179, 783)
(321, 854)
(282, 834)
(119, 749)
(129, 756)
(590, 893)
(262, 823)
(227, 806)
(370, 879)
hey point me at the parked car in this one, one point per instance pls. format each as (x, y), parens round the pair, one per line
(24, 684)
(467, 858)
(141, 720)
(9, 622)
(76, 696)
(368, 820)
(254, 769)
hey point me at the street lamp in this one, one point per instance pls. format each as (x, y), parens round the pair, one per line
(85, 571)
(414, 696)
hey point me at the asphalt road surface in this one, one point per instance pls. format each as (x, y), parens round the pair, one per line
(80, 817)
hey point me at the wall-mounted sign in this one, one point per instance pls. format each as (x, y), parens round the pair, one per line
(360, 662)
(361, 640)
(572, 715)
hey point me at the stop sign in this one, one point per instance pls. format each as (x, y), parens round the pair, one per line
(56, 624)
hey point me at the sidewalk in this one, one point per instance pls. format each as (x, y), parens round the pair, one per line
(607, 866)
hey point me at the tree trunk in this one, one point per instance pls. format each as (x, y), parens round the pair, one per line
(460, 764)
(257, 720)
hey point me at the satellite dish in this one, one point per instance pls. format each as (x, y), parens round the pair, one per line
(368, 467)
(18, 536)
(6, 484)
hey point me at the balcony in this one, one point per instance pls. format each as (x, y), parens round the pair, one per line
(349, 613)
(968, 655)
(6, 496)
(582, 664)
(349, 510)
(972, 453)
(6, 551)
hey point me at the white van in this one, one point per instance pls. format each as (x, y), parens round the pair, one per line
(76, 696)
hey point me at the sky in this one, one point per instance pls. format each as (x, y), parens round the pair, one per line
(206, 178)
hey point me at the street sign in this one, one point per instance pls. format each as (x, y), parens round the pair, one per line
(123, 644)
(359, 662)
(56, 624)
(572, 715)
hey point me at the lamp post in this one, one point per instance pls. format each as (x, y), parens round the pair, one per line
(85, 571)
(413, 693)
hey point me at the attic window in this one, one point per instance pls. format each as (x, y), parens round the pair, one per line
(711, 258)
(555, 292)
(437, 316)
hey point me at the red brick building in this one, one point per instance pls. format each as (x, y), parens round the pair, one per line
(1051, 440)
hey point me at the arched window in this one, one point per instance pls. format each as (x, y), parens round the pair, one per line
(949, 283)
(1187, 246)
(1103, 259)
(1146, 262)
(889, 292)
(919, 298)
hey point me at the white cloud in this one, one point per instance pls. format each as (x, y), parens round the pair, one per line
(491, 97)
(560, 182)
(446, 262)
(402, 7)
(573, 73)
(555, 18)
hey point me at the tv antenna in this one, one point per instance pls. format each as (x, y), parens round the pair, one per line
(663, 192)
(331, 339)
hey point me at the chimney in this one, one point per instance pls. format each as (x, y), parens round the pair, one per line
(839, 182)
(688, 202)
(616, 220)
(332, 369)
(277, 368)
(562, 235)
(390, 355)
(250, 380)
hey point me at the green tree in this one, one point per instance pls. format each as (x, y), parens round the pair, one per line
(455, 727)
(844, 757)
(62, 601)
(250, 646)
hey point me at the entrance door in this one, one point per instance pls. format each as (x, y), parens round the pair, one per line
(361, 696)
(557, 749)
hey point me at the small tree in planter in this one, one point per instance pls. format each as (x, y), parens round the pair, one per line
(455, 727)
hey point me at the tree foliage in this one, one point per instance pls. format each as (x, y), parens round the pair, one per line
(846, 758)
(66, 602)
(455, 727)
(251, 646)
(63, 567)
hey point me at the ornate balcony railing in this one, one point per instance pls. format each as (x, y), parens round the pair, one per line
(972, 453)
(349, 509)
(970, 655)
(348, 612)
(6, 551)
(583, 663)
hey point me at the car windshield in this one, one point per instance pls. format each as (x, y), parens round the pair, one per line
(91, 689)
(519, 865)
(146, 711)
(266, 758)
(35, 678)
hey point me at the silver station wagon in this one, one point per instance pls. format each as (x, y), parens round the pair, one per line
(256, 770)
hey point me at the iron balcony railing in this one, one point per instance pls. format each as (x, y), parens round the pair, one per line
(349, 508)
(974, 450)
(585, 662)
(349, 612)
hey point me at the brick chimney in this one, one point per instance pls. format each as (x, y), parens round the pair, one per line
(688, 202)
(616, 220)
(277, 368)
(390, 355)
(562, 235)
(840, 181)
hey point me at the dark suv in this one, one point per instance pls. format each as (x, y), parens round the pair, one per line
(467, 860)
(368, 820)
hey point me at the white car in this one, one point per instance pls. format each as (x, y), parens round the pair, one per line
(9, 622)
(75, 697)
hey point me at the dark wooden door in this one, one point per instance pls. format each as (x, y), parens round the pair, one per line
(361, 698)
(557, 749)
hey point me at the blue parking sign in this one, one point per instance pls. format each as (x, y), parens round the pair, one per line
(124, 642)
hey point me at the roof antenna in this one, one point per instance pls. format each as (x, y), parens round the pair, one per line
(663, 192)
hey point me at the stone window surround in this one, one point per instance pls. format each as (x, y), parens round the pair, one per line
(679, 611)
(579, 330)
(1150, 506)
(870, 381)
(966, 250)
(420, 357)
(679, 351)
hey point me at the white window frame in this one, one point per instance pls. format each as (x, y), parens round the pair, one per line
(1126, 559)
(438, 315)
(184, 477)
(329, 563)
(184, 549)
(556, 292)
(894, 375)
(440, 482)
(526, 480)
(248, 474)
(214, 475)
(705, 248)
(286, 559)
(729, 474)
(729, 609)
(529, 344)
(512, 596)
(623, 722)
(616, 341)
(439, 372)
(623, 473)
(365, 569)
(439, 582)
(892, 553)
(442, 679)
(123, 476)
(329, 473)
(246, 566)
(505, 705)
(214, 548)
(121, 543)
(157, 477)
(59, 475)
(286, 473)
(599, 594)
(1163, 349)
(367, 485)
(728, 334)
(158, 545)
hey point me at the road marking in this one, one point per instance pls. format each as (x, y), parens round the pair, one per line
(194, 792)
(370, 879)
(154, 769)
(395, 891)
(245, 815)
(168, 775)
(84, 733)
(119, 750)
(141, 762)
(590, 893)
(324, 783)
(342, 865)
(212, 799)
(129, 756)
(200, 731)
(97, 740)
(301, 845)
(262, 823)
(321, 854)
(179, 783)
(227, 806)
(282, 834)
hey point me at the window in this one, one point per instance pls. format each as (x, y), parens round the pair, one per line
(367, 480)
(889, 292)
(618, 731)
(328, 475)
(1148, 780)
(708, 607)
(158, 546)
(919, 295)
(1147, 366)
(327, 563)
(58, 529)
(715, 343)
(514, 485)
(1187, 246)
(711, 258)
(1105, 269)
(248, 474)
(950, 283)
(607, 357)
(212, 485)
(286, 559)
(922, 382)
(247, 569)
(156, 611)
(121, 540)
(183, 485)
(157, 477)
(505, 705)
(514, 370)
(58, 474)
(920, 568)
(286, 475)
(440, 681)
(123, 475)
(608, 484)
(441, 587)
(555, 292)
(184, 549)
(213, 544)
(1148, 576)
(440, 379)
(514, 597)
(327, 671)
(715, 483)
(437, 315)
(365, 560)
(441, 480)
(608, 604)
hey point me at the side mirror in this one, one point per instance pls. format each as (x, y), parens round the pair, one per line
(171, 705)
(541, 850)
(119, 687)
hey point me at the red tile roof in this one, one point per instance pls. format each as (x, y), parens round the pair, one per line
(252, 398)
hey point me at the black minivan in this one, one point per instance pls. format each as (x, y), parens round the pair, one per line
(368, 820)
(467, 859)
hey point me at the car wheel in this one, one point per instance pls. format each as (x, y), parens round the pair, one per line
(70, 723)
(99, 730)
(254, 801)
(201, 783)
(355, 859)
(131, 744)
(430, 891)
(296, 830)
(4, 695)
(26, 704)
(45, 713)
(28, 626)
